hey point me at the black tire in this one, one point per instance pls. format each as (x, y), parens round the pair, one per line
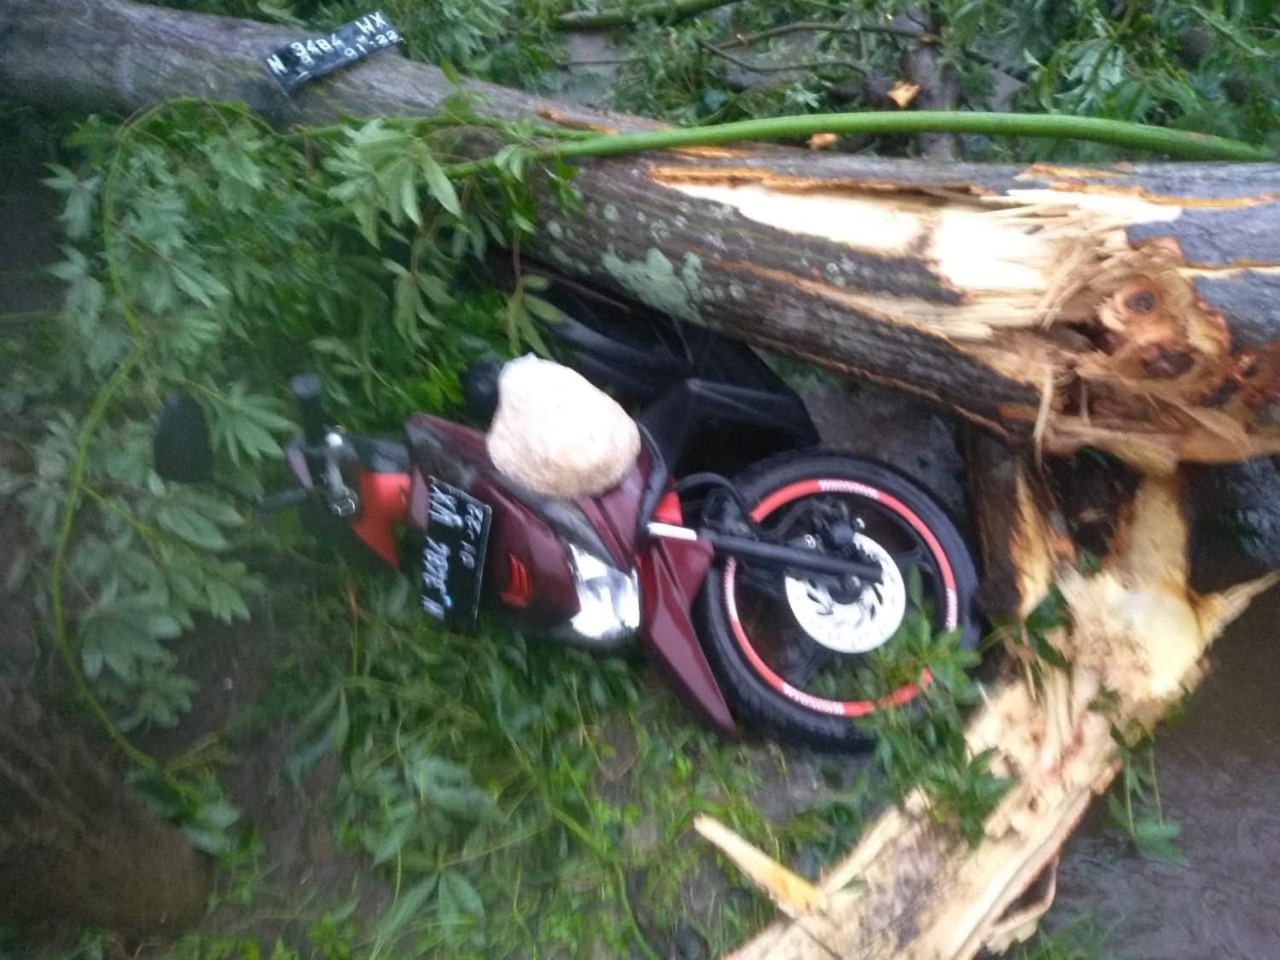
(759, 695)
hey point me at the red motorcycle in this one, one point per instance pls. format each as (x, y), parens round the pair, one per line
(757, 596)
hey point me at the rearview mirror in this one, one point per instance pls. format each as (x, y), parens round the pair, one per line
(181, 450)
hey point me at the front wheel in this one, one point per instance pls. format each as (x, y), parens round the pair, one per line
(786, 646)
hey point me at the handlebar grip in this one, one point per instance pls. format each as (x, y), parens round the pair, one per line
(306, 390)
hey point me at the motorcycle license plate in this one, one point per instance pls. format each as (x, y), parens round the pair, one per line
(453, 555)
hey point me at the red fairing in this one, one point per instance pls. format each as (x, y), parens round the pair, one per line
(615, 514)
(384, 506)
(671, 574)
(526, 566)
(668, 509)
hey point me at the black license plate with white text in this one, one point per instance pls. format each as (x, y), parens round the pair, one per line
(453, 555)
(302, 60)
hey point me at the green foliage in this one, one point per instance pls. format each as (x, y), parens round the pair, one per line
(175, 225)
(922, 747)
(671, 76)
(176, 280)
(1209, 68)
(1030, 640)
(1133, 805)
(520, 795)
(1080, 938)
(331, 937)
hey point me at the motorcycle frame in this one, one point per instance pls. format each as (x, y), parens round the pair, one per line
(527, 572)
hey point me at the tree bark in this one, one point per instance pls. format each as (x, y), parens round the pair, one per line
(75, 844)
(1132, 308)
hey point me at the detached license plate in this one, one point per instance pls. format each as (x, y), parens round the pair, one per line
(453, 555)
(296, 63)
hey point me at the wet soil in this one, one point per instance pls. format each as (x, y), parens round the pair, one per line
(301, 871)
(1219, 777)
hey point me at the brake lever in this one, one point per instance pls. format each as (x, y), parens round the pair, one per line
(275, 501)
(285, 498)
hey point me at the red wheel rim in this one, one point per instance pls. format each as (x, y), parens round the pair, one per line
(839, 708)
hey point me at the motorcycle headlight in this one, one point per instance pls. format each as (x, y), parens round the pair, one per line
(608, 599)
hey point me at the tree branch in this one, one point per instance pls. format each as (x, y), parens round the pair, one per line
(937, 82)
(813, 26)
(624, 17)
(786, 68)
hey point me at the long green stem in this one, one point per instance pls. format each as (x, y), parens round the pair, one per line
(1173, 143)
(75, 487)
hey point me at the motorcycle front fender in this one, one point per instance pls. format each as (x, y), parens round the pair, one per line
(671, 573)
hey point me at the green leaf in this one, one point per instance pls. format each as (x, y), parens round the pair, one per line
(510, 160)
(409, 200)
(458, 899)
(407, 906)
(543, 309)
(279, 13)
(91, 660)
(435, 289)
(219, 511)
(19, 565)
(163, 626)
(341, 726)
(440, 186)
(450, 72)
(1156, 839)
(196, 282)
(209, 840)
(190, 525)
(218, 814)
(386, 845)
(448, 786)
(225, 601)
(407, 301)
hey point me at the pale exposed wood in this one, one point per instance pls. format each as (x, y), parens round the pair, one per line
(914, 891)
(1132, 308)
(793, 894)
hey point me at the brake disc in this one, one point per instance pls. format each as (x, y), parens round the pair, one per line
(861, 625)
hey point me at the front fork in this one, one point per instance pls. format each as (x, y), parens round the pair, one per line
(672, 572)
(673, 567)
(671, 575)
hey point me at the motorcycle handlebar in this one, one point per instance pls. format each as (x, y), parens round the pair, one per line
(306, 390)
(285, 498)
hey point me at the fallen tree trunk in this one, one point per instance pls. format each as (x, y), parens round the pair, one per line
(1131, 308)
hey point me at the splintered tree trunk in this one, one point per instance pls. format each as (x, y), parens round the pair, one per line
(1130, 308)
(75, 844)
(1134, 637)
